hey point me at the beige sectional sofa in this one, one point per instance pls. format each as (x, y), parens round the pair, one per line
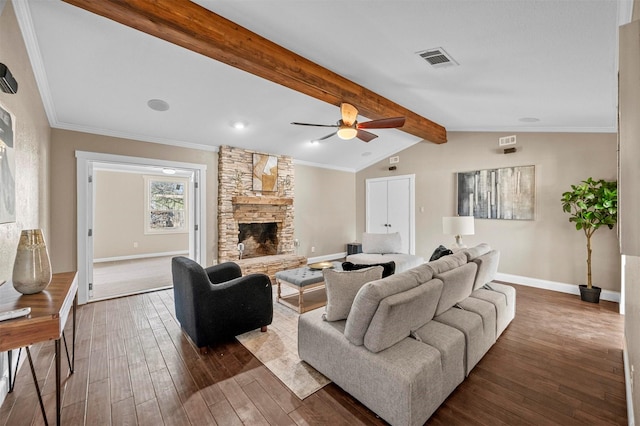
(410, 339)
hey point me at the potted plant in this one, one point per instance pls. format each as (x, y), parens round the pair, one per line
(591, 204)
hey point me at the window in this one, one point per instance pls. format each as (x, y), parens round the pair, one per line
(165, 205)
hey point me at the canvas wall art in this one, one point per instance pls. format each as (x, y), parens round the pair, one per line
(7, 167)
(505, 193)
(265, 172)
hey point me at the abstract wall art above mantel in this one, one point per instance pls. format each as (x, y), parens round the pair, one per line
(265, 172)
(505, 193)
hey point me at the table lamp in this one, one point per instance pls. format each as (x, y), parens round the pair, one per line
(458, 226)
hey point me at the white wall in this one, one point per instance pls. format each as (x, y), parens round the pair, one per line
(119, 219)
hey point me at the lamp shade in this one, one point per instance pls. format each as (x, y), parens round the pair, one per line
(458, 225)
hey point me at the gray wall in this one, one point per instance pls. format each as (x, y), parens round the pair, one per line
(628, 202)
(31, 144)
(324, 210)
(547, 248)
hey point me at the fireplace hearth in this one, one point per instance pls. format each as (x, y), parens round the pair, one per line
(259, 239)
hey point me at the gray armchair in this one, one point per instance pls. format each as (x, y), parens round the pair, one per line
(216, 303)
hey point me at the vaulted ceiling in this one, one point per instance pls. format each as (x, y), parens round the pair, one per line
(522, 65)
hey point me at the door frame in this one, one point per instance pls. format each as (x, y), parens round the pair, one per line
(412, 205)
(85, 208)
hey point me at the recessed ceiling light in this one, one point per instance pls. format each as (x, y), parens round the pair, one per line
(239, 125)
(168, 171)
(157, 104)
(529, 119)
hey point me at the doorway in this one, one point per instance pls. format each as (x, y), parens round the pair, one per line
(132, 218)
(390, 207)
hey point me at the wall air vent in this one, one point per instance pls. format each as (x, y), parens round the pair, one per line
(507, 140)
(437, 57)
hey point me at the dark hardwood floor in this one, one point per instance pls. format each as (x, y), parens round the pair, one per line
(558, 363)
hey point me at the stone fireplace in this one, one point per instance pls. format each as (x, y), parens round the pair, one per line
(243, 211)
(257, 239)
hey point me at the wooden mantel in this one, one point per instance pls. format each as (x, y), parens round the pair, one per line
(271, 201)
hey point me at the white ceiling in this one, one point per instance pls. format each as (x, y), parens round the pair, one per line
(554, 60)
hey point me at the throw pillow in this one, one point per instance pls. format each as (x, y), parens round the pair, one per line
(381, 243)
(439, 252)
(342, 287)
(389, 268)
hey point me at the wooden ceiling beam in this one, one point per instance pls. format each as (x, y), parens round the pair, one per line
(196, 28)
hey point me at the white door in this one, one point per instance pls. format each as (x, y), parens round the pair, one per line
(390, 208)
(399, 211)
(377, 206)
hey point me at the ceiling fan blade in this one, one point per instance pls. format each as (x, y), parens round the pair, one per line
(324, 137)
(384, 123)
(315, 125)
(349, 113)
(365, 136)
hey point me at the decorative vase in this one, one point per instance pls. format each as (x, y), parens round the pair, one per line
(32, 269)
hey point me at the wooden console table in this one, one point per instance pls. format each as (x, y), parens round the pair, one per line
(50, 310)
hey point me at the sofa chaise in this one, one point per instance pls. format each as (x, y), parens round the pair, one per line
(410, 339)
(383, 248)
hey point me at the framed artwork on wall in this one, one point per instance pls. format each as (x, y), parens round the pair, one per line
(265, 172)
(505, 193)
(7, 167)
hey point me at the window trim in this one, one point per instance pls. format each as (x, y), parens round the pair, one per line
(148, 179)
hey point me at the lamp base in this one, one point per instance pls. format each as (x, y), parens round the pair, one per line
(458, 245)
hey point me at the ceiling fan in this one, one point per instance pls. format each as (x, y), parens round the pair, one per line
(349, 128)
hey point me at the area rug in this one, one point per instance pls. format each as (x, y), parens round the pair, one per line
(277, 349)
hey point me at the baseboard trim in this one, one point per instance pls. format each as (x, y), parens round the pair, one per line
(327, 257)
(627, 384)
(139, 256)
(612, 296)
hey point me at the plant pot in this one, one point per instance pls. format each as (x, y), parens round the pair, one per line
(590, 294)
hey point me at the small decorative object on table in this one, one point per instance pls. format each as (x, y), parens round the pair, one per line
(320, 265)
(31, 269)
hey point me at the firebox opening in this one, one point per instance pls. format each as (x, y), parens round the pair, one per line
(259, 239)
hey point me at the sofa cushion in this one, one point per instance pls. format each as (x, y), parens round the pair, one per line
(381, 243)
(400, 314)
(487, 268)
(476, 251)
(448, 263)
(388, 267)
(423, 273)
(367, 300)
(458, 284)
(450, 343)
(342, 287)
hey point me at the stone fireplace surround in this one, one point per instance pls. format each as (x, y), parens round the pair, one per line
(238, 203)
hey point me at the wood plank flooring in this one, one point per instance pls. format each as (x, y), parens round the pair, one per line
(558, 363)
(126, 277)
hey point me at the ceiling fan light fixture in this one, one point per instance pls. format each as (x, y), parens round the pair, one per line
(347, 133)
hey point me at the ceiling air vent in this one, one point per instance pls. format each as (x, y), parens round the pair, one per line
(437, 58)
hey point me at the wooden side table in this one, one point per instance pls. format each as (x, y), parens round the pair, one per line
(50, 310)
